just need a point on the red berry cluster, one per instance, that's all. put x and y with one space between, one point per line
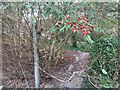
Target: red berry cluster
67 17
75 25
58 23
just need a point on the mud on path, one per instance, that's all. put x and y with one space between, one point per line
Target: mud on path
67 73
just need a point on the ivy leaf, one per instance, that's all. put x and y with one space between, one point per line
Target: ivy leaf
104 71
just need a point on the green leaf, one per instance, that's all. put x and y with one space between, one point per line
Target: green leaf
81 21
104 71
4 3
28 6
41 7
62 29
34 21
52 29
88 38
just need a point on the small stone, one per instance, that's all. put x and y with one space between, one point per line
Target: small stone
77 59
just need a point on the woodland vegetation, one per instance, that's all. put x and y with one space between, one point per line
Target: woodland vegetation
47 31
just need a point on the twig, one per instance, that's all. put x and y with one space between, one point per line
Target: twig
91 81
73 74
23 74
62 41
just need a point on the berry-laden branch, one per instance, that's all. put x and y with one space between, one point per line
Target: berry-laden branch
64 26
80 24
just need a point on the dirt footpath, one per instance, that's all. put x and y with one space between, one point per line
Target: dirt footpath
71 75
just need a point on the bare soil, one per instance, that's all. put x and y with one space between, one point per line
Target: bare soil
13 68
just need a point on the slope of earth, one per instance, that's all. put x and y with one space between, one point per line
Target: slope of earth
19 73
72 74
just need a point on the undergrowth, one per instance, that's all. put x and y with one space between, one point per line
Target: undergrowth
103 66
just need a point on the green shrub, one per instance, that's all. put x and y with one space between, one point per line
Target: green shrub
103 67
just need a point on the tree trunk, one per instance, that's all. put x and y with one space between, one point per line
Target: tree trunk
36 59
1 52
